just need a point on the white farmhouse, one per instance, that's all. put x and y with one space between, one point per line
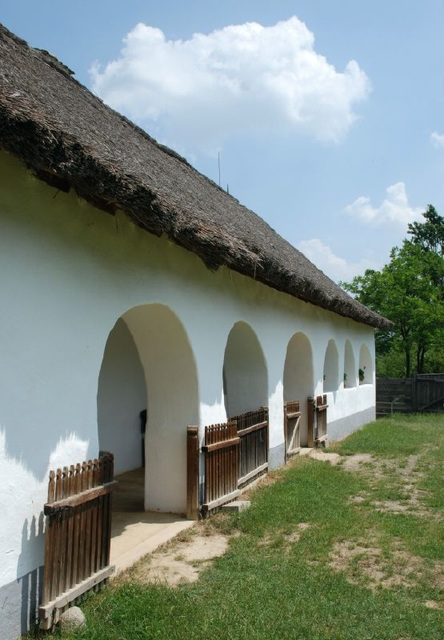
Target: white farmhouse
129 281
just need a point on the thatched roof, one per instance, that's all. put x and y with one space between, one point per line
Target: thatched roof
69 138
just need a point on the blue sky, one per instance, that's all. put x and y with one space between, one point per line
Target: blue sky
328 116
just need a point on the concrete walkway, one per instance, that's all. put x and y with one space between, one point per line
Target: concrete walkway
135 532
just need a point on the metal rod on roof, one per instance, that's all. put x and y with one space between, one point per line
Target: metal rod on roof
218 164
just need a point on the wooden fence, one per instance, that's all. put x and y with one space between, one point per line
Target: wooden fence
424 393
78 534
252 429
292 420
221 451
317 420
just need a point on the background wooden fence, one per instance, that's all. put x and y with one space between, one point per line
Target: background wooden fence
78 534
422 393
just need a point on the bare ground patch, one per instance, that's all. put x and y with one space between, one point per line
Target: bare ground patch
356 462
332 458
434 604
364 562
181 561
400 473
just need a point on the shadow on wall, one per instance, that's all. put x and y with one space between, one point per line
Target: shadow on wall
20 600
36 454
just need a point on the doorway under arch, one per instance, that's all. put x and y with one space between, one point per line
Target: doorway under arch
350 372
298 378
151 342
245 378
365 366
331 367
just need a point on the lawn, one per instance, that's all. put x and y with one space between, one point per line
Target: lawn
349 551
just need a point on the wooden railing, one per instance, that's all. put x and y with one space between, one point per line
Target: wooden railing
252 429
321 410
221 452
292 421
78 534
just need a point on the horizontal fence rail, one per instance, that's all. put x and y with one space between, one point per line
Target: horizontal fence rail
221 453
252 429
78 534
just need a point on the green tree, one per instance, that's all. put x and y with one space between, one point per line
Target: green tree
429 235
409 290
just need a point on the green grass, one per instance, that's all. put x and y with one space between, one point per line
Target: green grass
399 436
266 587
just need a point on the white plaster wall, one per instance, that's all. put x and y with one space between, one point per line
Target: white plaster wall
120 399
357 402
68 272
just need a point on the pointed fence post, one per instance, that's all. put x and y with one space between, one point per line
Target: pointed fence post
192 473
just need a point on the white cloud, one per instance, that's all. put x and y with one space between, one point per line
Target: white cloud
332 265
437 140
240 78
394 209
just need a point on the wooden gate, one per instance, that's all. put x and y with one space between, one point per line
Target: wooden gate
292 421
78 534
317 420
221 451
252 429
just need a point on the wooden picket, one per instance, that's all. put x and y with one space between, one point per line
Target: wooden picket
221 465
292 421
78 534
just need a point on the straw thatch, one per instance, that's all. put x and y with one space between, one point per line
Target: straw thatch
69 138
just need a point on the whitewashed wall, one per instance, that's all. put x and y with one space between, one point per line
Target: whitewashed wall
68 272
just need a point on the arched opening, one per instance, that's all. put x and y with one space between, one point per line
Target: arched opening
244 372
350 372
298 378
149 365
365 372
331 367
120 399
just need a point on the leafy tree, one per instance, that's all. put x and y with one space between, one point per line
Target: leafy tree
409 290
429 235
